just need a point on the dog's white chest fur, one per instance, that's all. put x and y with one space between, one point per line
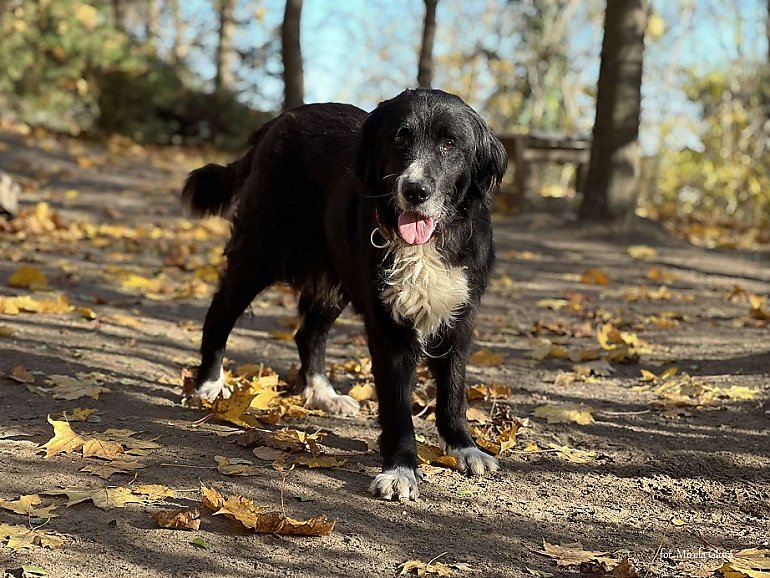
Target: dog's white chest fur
422 290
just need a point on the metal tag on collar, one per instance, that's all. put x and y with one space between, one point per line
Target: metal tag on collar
386 241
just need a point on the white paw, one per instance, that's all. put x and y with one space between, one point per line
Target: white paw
211 389
472 459
319 394
399 483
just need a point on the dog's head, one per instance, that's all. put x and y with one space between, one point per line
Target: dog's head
424 156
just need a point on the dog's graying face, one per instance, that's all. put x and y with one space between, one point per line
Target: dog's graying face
423 155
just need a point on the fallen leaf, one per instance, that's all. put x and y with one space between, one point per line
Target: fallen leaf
318 461
420 568
269 454
363 392
27 277
428 454
21 538
573 455
20 374
642 252
255 517
98 448
107 469
235 466
178 519
83 385
492 391
496 442
64 440
486 357
26 505
155 492
573 554
751 562
105 498
567 413
595 277
200 543
80 414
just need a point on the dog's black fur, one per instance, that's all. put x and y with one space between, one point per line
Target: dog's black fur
306 198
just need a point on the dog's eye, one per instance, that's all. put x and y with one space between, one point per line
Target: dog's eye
448 144
401 139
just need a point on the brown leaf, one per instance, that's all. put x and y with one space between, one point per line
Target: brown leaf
573 554
20 374
107 469
420 568
276 523
178 519
106 450
566 413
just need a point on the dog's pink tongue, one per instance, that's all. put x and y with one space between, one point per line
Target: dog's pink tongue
415 229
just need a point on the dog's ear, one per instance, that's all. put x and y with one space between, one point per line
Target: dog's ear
490 160
366 155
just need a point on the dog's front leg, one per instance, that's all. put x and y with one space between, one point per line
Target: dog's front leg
394 351
448 368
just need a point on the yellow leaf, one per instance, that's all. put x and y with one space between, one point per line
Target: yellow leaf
485 357
595 277
567 413
27 277
493 442
64 440
318 462
104 449
752 562
660 276
263 399
641 252
26 505
86 313
104 498
428 454
21 538
492 391
235 466
363 392
155 492
420 568
234 408
178 519
573 455
81 414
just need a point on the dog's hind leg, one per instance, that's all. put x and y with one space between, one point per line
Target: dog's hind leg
317 318
241 282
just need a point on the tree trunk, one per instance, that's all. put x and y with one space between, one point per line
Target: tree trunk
291 50
181 48
119 15
612 186
225 79
152 31
425 65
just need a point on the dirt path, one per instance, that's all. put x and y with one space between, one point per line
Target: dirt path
672 464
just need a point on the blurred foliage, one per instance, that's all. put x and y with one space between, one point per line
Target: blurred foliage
728 178
68 68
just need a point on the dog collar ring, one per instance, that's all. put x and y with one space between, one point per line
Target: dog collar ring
386 243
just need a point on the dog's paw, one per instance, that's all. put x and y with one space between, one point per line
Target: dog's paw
472 458
398 483
319 394
211 389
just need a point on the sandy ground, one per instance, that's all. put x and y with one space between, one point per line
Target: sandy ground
663 475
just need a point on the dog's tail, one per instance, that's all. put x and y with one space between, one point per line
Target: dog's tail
214 189
210 190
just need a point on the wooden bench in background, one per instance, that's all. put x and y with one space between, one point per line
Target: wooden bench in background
524 150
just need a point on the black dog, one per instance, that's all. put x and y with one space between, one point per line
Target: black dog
389 211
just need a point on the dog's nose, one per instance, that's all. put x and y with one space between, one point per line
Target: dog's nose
416 192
